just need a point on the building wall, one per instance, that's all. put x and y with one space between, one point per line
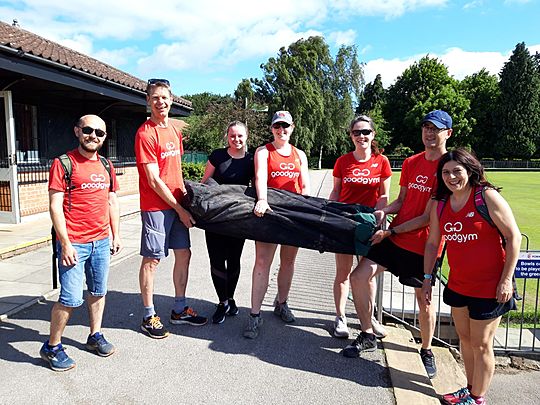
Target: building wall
34 198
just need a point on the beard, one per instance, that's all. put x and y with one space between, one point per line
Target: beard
90 146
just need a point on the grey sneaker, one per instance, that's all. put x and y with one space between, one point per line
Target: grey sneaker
340 327
284 312
364 342
252 328
99 344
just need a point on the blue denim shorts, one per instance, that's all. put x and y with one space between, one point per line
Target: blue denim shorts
93 262
161 231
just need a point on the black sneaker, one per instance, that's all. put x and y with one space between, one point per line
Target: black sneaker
233 309
154 328
364 342
221 311
429 362
188 316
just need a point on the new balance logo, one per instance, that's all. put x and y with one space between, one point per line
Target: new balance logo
470 214
375 165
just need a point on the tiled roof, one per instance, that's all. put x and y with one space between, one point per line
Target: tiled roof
20 39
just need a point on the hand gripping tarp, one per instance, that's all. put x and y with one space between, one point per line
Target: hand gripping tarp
295 220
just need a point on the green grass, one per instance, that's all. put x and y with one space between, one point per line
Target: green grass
522 191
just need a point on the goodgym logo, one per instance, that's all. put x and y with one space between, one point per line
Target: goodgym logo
170 150
421 179
363 172
453 229
98 182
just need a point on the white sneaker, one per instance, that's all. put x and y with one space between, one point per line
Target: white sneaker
340 327
378 329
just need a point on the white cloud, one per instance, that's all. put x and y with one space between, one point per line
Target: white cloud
473 4
460 63
342 37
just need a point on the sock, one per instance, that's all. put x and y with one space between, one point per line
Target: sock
469 387
59 345
179 304
255 315
149 312
226 303
426 351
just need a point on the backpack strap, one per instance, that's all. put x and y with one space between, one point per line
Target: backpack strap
440 206
480 204
107 163
67 165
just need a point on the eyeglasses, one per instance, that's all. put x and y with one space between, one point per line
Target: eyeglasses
432 128
88 130
358 132
156 81
278 125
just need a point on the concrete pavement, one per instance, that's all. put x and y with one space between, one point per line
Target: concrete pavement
296 363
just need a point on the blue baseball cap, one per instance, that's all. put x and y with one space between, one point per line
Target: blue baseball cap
439 118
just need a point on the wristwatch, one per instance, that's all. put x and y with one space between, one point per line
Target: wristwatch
392 231
428 276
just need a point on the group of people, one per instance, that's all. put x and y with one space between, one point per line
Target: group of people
436 203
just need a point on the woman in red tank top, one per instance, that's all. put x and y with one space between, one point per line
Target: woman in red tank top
278 165
477 302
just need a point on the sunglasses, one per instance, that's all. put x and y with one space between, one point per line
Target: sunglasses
88 130
283 125
429 128
162 81
358 132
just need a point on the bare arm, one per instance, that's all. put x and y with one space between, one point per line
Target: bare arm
336 190
304 173
155 182
208 172
430 251
502 216
384 193
261 181
56 209
114 221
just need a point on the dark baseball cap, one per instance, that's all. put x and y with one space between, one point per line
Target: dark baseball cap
439 118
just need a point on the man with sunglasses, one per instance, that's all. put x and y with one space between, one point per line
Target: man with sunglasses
400 248
84 210
165 223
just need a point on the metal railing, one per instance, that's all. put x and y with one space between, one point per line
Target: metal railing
519 331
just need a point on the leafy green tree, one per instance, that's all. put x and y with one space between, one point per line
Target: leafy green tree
317 90
423 87
518 113
482 90
202 101
371 97
244 93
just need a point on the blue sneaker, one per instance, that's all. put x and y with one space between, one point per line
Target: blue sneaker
56 357
99 344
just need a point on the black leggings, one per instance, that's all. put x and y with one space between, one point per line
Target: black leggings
224 252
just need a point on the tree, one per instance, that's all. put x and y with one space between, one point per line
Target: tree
202 101
482 90
371 97
518 113
317 90
423 87
244 93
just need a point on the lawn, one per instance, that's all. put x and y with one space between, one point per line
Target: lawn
522 191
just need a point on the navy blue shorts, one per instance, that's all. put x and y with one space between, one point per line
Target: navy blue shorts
480 309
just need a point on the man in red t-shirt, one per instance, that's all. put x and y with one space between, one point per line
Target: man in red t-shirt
402 253
83 213
165 223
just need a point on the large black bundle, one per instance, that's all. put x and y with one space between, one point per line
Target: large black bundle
296 220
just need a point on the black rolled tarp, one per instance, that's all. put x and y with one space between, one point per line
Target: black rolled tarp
296 220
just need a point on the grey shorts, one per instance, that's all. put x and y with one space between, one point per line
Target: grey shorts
161 231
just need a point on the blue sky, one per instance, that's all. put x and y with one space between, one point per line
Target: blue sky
210 45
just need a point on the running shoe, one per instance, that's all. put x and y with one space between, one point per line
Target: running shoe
455 397
428 359
233 309
189 317
221 311
284 312
340 327
56 357
364 342
154 328
251 331
99 344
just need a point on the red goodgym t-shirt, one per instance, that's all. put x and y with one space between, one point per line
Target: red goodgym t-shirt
284 171
420 177
88 219
155 144
361 181
475 252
